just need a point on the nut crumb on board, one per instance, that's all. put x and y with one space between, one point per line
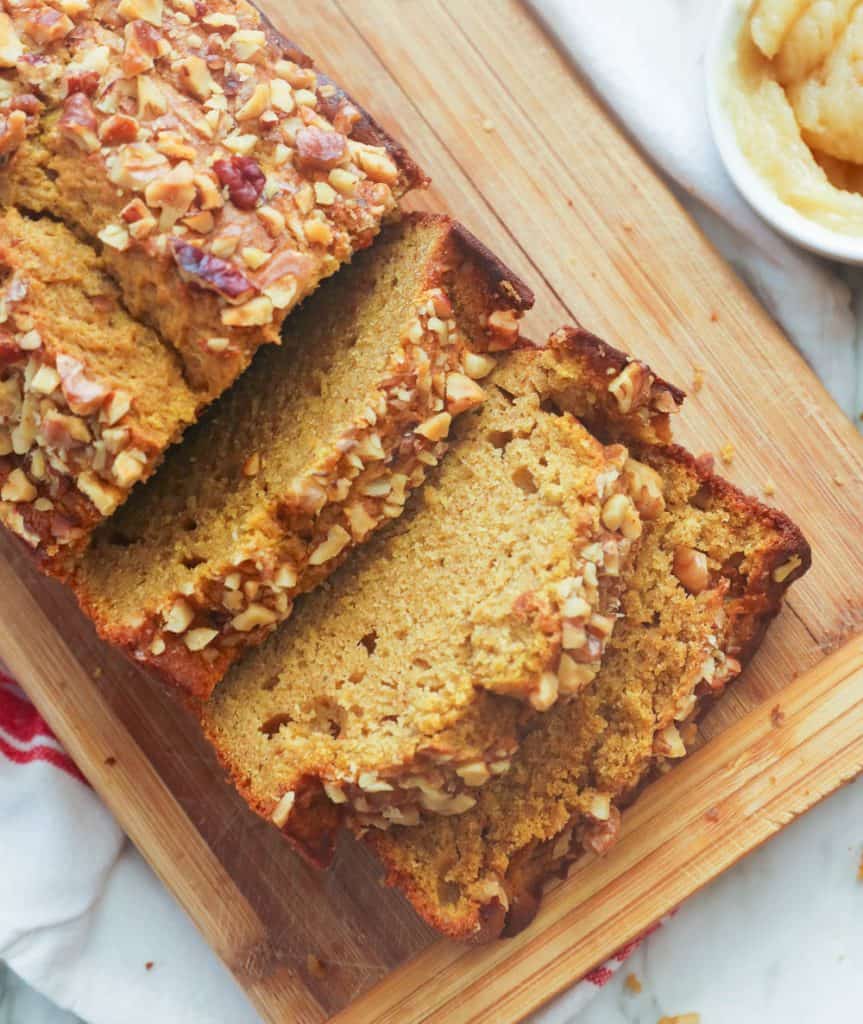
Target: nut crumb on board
838 481
682 1018
712 814
487 124
149 965
633 984
697 379
777 716
769 487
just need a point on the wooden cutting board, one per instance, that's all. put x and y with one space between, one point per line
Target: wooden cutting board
522 153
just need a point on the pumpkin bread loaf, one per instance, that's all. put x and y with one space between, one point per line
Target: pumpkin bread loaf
709 574
222 175
318 444
404 685
89 398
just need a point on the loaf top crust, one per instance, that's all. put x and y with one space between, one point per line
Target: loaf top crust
221 172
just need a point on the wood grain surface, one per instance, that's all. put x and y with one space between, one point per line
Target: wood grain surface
520 151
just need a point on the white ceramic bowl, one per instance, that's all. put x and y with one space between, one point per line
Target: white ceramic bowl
757 193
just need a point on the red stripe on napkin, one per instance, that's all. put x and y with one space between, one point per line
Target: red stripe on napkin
24 734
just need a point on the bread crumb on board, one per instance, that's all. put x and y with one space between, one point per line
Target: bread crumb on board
727 453
315 966
769 487
633 984
698 373
682 1018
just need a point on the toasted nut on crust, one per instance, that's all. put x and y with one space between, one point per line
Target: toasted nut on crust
179 618
462 393
254 616
17 488
435 428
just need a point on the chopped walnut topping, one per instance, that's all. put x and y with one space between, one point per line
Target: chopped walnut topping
78 122
17 488
319 150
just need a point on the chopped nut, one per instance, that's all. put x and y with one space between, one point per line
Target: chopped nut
253 313
179 617
252 465
630 386
105 497
281 96
256 104
668 743
504 324
283 810
116 408
17 488
218 344
574 676
619 514
318 232
127 470
254 257
158 646
10 45
781 574
727 453
336 541
436 427
378 165
78 122
477 366
645 487
343 181
146 10
45 380
115 237
198 639
272 219
474 773
195 77
690 567
546 691
246 43
325 195
254 616
462 393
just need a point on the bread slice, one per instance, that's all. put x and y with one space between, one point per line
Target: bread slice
318 444
406 683
222 175
89 398
709 575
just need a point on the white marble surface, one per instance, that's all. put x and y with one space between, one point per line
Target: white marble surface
776 940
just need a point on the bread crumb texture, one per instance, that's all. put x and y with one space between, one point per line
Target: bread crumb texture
317 445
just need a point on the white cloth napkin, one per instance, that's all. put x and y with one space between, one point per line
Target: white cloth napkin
81 917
